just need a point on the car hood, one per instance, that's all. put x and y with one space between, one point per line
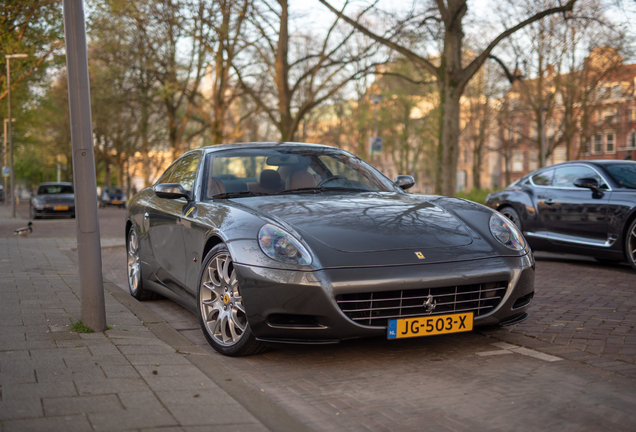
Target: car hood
367 222
55 198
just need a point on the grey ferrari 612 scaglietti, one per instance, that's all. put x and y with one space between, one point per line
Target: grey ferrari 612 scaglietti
302 243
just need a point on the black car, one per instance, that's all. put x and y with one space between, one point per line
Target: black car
112 196
297 243
580 207
53 200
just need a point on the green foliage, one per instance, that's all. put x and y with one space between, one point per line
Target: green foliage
79 327
476 195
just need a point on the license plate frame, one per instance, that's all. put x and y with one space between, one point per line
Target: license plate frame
117 202
60 208
428 325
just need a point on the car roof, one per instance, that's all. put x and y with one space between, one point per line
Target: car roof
255 145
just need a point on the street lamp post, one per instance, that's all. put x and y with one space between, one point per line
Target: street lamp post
543 138
11 175
4 163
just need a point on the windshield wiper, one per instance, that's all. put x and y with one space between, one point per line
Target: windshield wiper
238 194
320 189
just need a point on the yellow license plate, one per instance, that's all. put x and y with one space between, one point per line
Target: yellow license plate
60 208
430 325
116 202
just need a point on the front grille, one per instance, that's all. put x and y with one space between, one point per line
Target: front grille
376 308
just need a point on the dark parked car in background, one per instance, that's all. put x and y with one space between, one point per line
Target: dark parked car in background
580 207
112 196
53 200
297 243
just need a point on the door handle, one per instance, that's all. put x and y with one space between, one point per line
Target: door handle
549 201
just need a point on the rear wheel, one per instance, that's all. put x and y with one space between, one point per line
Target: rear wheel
221 311
630 244
512 214
135 280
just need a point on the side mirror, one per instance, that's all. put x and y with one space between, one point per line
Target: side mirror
404 181
587 183
172 191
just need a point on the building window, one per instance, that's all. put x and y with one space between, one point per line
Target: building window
631 140
517 161
598 143
518 134
609 143
632 115
616 91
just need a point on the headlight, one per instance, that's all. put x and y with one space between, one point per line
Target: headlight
506 232
281 246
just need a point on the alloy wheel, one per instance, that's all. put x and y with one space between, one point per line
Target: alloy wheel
134 270
631 245
221 303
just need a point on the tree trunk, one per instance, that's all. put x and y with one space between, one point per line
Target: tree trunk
448 147
285 126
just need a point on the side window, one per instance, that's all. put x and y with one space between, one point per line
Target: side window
565 176
544 178
185 172
165 177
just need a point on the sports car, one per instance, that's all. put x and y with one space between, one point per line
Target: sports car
53 200
302 243
579 207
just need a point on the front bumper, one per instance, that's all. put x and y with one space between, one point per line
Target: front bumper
49 210
295 306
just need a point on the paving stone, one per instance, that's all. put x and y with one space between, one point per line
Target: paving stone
81 405
20 408
77 423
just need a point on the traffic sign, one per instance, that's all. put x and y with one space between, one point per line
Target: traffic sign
5 171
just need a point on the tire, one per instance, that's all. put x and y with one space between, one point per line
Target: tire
135 277
220 308
512 214
630 244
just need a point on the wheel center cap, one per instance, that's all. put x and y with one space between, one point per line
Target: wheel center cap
226 299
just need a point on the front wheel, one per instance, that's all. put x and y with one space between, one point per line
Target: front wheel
512 214
221 310
630 244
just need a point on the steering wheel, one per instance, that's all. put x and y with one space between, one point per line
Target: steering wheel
329 179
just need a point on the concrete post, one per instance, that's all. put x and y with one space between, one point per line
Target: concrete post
88 243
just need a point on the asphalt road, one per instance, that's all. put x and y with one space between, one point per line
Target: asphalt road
570 367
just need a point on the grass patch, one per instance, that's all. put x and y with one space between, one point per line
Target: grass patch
78 326
476 195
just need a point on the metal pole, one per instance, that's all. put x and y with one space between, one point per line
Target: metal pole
4 164
11 177
543 111
88 243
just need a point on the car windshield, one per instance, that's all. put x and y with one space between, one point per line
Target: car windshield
54 189
113 190
623 173
268 171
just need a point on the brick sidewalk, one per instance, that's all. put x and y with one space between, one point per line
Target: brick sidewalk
52 379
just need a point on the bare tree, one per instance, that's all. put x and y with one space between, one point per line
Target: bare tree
295 73
223 23
452 75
